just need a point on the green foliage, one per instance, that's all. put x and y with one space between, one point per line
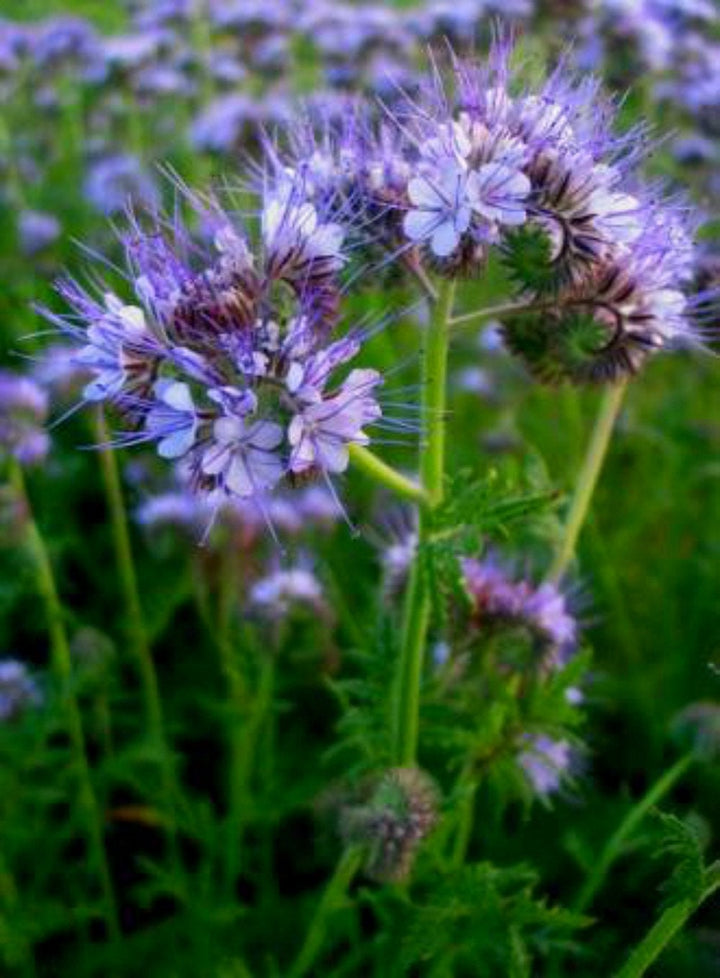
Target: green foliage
681 843
486 921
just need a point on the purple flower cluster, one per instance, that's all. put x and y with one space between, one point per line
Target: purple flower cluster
23 410
601 261
225 359
543 610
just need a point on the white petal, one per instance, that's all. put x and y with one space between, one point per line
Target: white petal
228 429
265 434
237 477
332 454
419 225
423 194
215 459
177 395
445 239
178 443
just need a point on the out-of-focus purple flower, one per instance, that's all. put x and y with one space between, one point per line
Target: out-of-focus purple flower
37 230
57 369
179 509
285 590
23 410
18 690
543 610
64 39
128 52
116 181
546 763
220 126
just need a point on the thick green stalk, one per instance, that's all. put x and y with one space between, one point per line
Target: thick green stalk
663 931
432 473
587 479
135 623
61 663
614 846
387 476
332 897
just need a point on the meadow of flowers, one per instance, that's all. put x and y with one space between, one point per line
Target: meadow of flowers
359 488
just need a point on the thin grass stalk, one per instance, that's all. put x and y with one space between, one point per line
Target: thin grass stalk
61 663
135 622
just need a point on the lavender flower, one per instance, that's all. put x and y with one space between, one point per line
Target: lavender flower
18 690
546 763
37 231
226 362
115 181
285 590
23 410
543 611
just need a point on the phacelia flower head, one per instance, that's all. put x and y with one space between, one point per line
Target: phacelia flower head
23 410
633 303
541 611
226 355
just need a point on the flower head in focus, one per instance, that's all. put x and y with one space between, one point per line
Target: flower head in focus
226 356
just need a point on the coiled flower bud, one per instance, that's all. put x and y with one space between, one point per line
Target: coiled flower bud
390 818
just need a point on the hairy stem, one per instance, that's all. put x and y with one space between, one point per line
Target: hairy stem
432 472
663 931
61 662
492 312
587 479
332 897
387 476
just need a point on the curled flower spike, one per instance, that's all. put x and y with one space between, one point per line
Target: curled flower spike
599 258
390 818
224 359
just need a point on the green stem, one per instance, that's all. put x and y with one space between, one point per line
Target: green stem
465 827
135 622
493 312
587 479
614 846
432 471
387 476
663 931
61 662
333 896
244 754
